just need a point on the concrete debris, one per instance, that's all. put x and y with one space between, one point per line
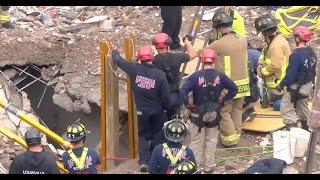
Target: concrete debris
26 104
290 170
64 101
229 165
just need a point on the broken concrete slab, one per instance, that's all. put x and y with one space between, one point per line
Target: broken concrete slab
107 26
63 101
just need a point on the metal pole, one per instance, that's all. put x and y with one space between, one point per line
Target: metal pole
314 123
35 124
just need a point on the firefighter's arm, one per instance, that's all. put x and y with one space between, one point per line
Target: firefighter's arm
190 49
238 24
186 88
98 167
277 55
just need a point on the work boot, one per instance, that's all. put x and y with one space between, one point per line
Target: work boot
249 115
290 125
304 125
8 25
143 168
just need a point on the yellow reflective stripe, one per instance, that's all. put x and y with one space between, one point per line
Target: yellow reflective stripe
4 17
243 88
265 72
238 136
230 138
227 68
79 163
175 159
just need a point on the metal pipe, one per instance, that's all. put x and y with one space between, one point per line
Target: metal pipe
35 124
20 141
204 32
28 74
28 85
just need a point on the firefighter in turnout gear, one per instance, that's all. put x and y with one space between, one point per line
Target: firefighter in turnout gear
165 157
5 17
206 86
34 160
232 60
80 159
274 57
299 80
170 64
151 94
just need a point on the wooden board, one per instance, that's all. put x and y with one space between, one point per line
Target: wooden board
265 124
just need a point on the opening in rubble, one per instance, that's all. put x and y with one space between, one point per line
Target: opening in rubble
56 118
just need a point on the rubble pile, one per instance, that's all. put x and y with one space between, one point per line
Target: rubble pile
8 151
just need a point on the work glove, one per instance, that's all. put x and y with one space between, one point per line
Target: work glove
187 36
278 88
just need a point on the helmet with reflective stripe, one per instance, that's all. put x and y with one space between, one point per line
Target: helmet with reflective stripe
186 167
265 22
33 137
76 132
161 40
208 55
303 32
175 130
145 53
221 19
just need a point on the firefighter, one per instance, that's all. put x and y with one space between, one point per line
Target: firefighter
232 60
34 160
299 80
151 93
274 57
206 85
186 167
237 25
165 157
80 159
249 113
172 19
5 17
170 64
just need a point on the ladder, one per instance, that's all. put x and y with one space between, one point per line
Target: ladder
193 32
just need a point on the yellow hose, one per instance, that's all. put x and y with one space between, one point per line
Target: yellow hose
35 124
20 141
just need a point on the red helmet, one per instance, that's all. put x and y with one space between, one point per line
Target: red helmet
303 32
208 55
161 40
145 53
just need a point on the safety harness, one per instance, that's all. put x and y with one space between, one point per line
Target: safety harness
175 159
165 67
79 162
305 76
210 103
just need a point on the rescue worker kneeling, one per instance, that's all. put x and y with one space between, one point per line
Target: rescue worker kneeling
34 160
299 80
206 86
80 159
165 157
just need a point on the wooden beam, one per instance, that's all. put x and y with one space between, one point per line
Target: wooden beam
112 112
129 48
103 51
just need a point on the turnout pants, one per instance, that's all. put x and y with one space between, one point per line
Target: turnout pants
203 144
4 14
172 18
231 121
288 110
150 132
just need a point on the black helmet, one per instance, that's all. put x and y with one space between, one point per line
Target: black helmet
175 130
32 137
221 19
76 131
186 167
265 22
